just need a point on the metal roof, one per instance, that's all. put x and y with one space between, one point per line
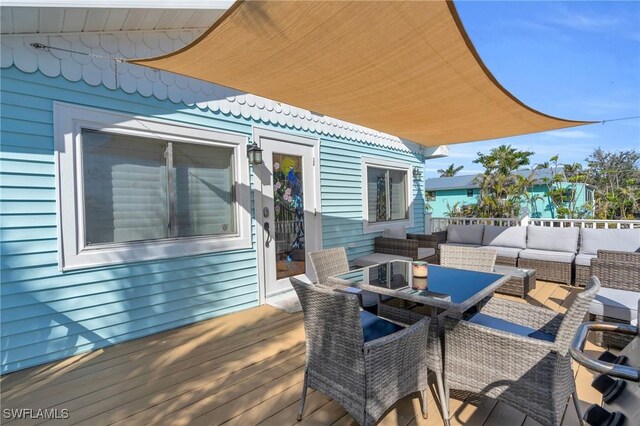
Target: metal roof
468 181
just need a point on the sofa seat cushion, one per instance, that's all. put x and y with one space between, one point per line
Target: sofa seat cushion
424 252
374 327
547 255
510 327
615 303
584 259
465 234
592 240
510 252
505 236
552 239
397 231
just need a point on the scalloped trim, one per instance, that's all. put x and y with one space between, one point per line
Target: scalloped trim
162 85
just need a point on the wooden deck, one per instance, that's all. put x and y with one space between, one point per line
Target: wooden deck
243 369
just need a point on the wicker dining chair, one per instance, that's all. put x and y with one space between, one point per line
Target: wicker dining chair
470 258
366 377
333 261
518 353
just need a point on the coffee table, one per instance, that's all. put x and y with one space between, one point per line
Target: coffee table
520 283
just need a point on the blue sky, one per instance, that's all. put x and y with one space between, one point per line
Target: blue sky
574 60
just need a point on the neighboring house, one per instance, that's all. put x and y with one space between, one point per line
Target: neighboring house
128 203
445 193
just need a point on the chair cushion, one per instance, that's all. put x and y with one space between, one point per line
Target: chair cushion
465 234
510 327
374 327
552 239
505 236
615 303
584 259
424 252
511 252
547 255
397 231
592 240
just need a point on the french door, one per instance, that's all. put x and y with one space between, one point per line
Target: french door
286 209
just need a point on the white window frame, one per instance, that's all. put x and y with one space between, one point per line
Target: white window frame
69 120
367 227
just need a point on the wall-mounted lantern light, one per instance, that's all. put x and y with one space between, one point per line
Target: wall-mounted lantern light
417 173
254 153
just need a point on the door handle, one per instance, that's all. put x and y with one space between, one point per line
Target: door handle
269 239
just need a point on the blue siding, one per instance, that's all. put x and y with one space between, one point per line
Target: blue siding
48 315
544 208
341 191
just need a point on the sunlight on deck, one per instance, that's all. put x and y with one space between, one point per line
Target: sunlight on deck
245 368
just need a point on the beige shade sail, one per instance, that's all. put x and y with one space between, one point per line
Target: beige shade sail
406 68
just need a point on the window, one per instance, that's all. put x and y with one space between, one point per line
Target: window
469 192
133 189
386 194
588 195
431 195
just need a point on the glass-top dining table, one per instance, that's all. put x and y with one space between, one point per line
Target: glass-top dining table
443 289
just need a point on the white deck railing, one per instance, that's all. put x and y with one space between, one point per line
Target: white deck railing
586 223
435 224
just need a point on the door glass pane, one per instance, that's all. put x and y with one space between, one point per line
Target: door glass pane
125 188
398 194
377 194
204 190
288 215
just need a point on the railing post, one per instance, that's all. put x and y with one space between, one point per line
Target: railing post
427 223
524 217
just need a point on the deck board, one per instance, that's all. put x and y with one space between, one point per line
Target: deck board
241 369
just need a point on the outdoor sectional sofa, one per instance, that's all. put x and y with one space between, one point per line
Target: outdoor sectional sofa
553 252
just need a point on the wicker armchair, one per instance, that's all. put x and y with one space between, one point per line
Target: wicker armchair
366 378
616 270
619 256
409 247
533 374
470 258
333 261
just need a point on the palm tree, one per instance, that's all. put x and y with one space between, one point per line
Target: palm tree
450 171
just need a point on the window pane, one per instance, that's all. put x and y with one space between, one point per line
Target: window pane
204 190
377 194
125 196
398 194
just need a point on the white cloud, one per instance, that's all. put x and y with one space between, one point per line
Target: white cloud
571 134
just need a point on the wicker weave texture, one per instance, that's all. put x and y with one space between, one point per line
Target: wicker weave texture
365 378
469 258
519 286
619 256
329 262
532 375
406 312
583 273
397 246
507 261
616 274
547 270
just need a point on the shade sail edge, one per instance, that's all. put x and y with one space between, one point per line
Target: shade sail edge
508 116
